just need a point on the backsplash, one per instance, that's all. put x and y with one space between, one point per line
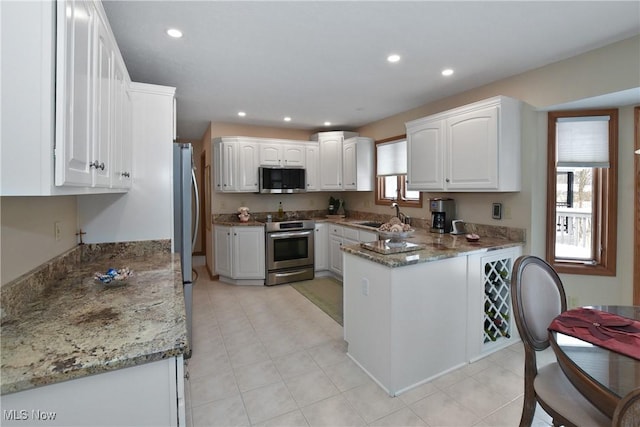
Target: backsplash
508 233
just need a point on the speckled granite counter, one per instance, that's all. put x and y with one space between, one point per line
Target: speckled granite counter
437 246
59 323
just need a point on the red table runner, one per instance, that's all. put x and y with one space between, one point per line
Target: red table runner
607 330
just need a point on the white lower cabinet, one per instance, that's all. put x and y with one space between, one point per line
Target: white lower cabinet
321 247
151 394
240 254
343 235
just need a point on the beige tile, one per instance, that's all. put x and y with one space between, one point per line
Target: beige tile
439 409
419 392
372 402
267 402
329 353
282 345
506 416
450 378
223 413
203 363
248 354
502 381
212 387
311 387
404 417
294 364
332 412
477 397
346 375
257 375
291 419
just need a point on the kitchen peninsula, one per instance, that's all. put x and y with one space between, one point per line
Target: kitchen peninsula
94 353
410 317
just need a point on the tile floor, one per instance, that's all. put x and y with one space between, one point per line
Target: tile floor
266 356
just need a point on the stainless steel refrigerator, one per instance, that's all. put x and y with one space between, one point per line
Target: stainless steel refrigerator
186 209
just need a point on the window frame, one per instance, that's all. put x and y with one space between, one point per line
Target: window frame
402 181
604 232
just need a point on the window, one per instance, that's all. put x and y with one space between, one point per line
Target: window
582 191
391 172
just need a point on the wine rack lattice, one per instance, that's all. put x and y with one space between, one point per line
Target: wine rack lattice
497 300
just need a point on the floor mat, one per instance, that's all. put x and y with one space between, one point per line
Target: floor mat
324 292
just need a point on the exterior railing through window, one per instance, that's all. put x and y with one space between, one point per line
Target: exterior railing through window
573 233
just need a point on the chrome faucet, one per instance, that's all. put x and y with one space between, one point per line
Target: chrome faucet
399 214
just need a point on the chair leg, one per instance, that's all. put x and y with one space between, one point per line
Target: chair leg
528 409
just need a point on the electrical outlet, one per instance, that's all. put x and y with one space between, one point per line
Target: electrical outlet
57 230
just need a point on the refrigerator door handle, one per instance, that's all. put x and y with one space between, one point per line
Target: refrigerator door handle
197 219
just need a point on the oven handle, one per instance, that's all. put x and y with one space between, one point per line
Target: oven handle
288 234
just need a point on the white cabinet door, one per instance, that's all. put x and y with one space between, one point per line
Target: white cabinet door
248 253
247 172
150 394
122 137
472 150
349 165
228 166
222 250
312 163
425 156
321 247
335 254
74 93
367 236
293 155
331 161
101 148
270 154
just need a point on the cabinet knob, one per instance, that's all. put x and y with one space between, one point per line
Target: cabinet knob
447 180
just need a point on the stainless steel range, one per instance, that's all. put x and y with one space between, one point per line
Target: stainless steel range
289 249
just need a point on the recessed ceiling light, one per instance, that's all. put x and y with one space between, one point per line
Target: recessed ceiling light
287 119
327 123
447 72
242 113
393 58
175 33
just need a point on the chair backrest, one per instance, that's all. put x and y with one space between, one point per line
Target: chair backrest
627 413
538 297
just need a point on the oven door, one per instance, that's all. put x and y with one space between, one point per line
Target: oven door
286 249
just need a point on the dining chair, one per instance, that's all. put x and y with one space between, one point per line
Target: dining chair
537 297
627 413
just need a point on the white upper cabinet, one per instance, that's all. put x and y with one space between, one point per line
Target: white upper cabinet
471 148
312 164
330 160
282 153
425 156
65 123
357 164
225 164
247 173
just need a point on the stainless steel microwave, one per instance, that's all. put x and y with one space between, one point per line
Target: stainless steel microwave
282 180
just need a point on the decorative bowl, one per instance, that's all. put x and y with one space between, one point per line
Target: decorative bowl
114 277
395 236
472 237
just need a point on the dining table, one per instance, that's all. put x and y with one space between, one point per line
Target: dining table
604 376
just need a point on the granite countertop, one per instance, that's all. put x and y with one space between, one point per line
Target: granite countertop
76 326
433 247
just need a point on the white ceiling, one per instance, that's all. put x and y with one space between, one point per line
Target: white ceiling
318 61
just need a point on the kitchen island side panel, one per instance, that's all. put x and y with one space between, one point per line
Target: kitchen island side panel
367 316
405 325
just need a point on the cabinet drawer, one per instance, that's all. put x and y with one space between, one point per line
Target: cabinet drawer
351 233
336 230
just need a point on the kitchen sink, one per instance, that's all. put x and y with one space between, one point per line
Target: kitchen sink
371 224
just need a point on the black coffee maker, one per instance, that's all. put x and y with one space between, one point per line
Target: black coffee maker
443 211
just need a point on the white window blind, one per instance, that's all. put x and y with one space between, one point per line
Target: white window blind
583 141
391 158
